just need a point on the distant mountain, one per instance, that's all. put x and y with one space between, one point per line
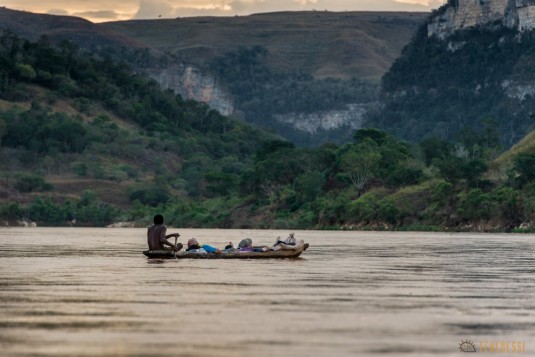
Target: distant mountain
470 63
78 128
184 79
62 28
85 141
323 44
310 76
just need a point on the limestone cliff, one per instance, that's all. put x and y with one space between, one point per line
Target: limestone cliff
472 62
463 14
311 123
191 83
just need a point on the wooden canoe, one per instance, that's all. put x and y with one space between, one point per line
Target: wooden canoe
288 253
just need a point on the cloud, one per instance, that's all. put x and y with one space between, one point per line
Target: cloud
102 10
99 15
245 7
256 6
57 12
150 9
428 3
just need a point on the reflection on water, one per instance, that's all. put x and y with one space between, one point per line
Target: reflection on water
90 292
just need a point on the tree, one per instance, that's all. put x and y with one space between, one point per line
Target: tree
26 72
375 135
272 146
525 168
3 130
69 135
151 196
435 149
32 183
310 184
359 165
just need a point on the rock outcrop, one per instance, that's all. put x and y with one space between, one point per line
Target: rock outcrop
311 123
191 83
473 61
463 14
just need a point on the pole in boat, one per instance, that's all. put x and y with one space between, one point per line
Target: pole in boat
175 247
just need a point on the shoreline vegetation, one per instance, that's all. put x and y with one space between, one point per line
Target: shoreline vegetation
86 142
478 227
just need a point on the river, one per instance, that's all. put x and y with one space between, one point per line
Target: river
90 292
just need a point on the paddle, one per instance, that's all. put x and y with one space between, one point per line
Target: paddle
175 247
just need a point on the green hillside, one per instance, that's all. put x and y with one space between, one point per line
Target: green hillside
287 63
506 160
323 44
86 142
90 132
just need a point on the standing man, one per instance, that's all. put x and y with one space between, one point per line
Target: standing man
156 237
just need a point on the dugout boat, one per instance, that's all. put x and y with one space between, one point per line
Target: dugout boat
286 252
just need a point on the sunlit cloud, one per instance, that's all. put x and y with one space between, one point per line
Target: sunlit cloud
103 15
106 10
150 9
57 12
427 3
304 2
94 10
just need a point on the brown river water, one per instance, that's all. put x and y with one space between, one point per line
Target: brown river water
91 292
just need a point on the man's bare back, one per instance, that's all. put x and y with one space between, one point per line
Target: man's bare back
157 238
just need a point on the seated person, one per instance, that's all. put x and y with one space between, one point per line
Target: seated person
195 246
157 238
288 241
246 245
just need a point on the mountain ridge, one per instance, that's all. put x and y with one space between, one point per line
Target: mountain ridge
93 143
62 28
292 72
450 86
462 14
214 36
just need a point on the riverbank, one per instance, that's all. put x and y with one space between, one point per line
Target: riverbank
476 227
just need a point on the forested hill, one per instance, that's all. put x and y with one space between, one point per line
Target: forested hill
32 26
86 142
322 44
309 76
447 84
89 130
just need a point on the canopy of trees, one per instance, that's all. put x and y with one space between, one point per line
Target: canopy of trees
146 151
438 87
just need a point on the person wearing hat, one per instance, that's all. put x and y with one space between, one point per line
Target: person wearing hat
246 245
157 239
288 241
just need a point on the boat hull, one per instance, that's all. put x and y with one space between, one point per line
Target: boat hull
292 253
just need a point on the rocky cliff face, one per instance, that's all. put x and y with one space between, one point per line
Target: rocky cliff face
462 14
311 123
190 83
451 79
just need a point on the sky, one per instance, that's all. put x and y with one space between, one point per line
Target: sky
113 10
